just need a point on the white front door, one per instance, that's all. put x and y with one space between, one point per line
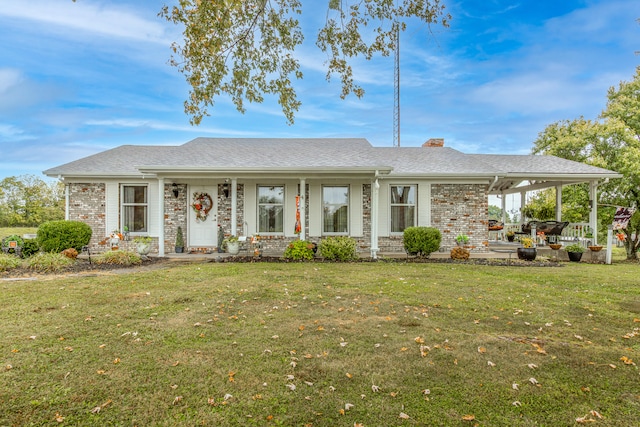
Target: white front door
203 223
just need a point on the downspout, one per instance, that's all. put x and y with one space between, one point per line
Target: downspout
375 191
495 180
161 236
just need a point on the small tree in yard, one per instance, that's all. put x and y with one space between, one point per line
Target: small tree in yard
421 241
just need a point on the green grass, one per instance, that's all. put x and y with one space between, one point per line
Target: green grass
165 347
20 231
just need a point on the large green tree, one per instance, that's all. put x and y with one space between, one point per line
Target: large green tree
246 48
612 142
28 201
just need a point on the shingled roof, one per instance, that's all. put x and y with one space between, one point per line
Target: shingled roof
321 155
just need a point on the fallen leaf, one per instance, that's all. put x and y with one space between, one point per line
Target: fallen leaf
228 396
515 386
482 350
59 418
292 387
490 363
348 406
516 404
403 416
584 420
375 388
532 366
533 381
469 417
177 400
349 375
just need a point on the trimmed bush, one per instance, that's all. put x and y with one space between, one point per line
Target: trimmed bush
8 262
47 262
123 258
421 241
339 248
56 236
299 250
30 248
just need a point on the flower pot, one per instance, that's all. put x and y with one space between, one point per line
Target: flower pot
527 254
511 238
143 248
575 256
555 246
179 249
595 248
233 247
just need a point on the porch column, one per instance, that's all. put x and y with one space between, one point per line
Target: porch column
558 203
593 215
523 201
375 192
161 236
234 206
503 207
303 193
66 202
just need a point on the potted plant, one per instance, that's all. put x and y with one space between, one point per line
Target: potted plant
462 239
527 252
143 244
179 241
511 235
574 251
233 245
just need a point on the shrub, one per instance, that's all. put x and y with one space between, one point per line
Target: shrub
421 240
46 262
124 258
8 262
56 236
299 250
339 248
30 248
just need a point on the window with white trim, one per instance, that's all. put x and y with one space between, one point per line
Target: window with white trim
403 207
335 209
134 209
271 209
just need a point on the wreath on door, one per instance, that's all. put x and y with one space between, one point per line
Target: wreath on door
202 204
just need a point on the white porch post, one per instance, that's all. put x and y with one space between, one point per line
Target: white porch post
161 217
303 193
66 202
234 206
558 203
593 215
375 192
523 201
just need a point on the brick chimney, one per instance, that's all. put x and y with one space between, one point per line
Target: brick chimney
434 142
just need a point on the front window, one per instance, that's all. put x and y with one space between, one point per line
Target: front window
135 209
335 210
403 207
270 209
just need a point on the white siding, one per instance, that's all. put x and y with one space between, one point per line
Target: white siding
384 209
112 210
424 204
315 209
355 210
250 207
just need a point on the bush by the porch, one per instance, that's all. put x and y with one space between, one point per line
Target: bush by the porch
421 240
338 248
299 250
56 236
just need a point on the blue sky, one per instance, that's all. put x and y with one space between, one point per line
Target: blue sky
79 78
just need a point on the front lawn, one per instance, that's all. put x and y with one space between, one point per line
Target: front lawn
315 344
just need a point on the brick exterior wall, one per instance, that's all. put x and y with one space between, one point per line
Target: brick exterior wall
455 209
460 209
87 203
175 215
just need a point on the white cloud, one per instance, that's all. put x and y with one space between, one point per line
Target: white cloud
102 19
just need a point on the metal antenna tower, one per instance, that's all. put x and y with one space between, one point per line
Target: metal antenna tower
396 91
